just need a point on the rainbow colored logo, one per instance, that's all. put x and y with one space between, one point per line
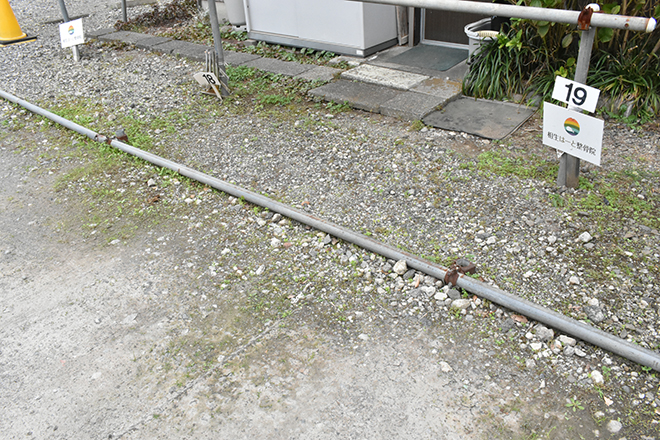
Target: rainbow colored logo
71 30
571 126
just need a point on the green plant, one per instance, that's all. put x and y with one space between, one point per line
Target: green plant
526 58
574 404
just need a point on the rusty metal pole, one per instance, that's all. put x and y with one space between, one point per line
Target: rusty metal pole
569 166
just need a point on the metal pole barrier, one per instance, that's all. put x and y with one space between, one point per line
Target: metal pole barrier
217 43
639 24
65 16
124 14
542 314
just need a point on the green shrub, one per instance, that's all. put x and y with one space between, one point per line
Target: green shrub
526 59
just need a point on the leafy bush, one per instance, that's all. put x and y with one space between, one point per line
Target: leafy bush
526 59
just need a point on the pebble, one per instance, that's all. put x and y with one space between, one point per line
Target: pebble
445 367
460 304
567 340
614 426
594 313
597 377
544 334
453 294
585 237
400 267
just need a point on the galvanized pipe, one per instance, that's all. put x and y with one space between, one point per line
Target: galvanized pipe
639 24
549 317
124 14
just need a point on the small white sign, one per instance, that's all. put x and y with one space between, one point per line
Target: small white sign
573 133
207 79
71 33
575 94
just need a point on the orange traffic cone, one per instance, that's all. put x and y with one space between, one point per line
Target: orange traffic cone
10 31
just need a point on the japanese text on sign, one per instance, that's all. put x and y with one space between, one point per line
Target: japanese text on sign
572 132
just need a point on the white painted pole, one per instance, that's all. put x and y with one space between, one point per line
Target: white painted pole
639 24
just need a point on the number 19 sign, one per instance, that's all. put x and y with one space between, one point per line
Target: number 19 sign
575 94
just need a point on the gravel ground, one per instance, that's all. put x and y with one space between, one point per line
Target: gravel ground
592 253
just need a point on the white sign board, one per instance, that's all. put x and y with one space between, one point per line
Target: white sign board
573 133
575 94
71 33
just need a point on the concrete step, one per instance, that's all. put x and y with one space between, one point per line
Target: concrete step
391 92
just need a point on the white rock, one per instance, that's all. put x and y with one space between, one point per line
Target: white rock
441 295
400 267
536 346
597 377
445 367
260 270
567 340
552 239
151 183
491 240
274 242
528 274
593 302
585 237
363 337
614 426
529 363
461 304
580 353
428 290
574 280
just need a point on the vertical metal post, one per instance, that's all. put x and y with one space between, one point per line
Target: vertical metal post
217 43
411 26
124 14
569 166
65 16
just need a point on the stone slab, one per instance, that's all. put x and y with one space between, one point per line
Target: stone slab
99 32
124 37
411 105
362 96
149 43
320 73
480 117
184 49
385 77
287 68
439 87
238 58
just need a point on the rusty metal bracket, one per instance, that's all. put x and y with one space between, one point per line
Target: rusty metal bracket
584 19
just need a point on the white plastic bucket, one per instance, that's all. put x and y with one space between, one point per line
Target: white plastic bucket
479 33
235 12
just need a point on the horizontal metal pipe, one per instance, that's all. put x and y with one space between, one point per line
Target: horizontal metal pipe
551 318
640 24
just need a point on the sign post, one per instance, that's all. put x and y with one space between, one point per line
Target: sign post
65 16
569 166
